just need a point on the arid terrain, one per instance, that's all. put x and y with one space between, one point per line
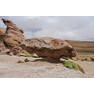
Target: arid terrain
83 47
41 68
13 44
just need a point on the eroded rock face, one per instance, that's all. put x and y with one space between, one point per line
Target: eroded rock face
2 31
49 47
12 37
2 35
13 31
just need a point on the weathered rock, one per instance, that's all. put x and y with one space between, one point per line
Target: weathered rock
13 37
49 47
13 31
44 47
2 45
2 31
92 58
17 50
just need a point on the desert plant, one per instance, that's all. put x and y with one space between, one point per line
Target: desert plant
72 65
20 61
29 55
26 55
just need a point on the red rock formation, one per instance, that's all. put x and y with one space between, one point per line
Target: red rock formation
43 47
49 47
13 31
13 36
1 31
2 35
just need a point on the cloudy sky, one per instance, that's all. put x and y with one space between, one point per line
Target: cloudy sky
63 27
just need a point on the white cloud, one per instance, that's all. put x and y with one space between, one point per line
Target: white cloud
71 27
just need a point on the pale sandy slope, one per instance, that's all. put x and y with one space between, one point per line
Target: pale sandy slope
40 68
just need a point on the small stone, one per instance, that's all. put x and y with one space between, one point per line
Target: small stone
92 58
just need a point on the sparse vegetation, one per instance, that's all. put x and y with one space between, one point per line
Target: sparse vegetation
23 61
84 57
20 61
83 47
72 65
29 55
26 55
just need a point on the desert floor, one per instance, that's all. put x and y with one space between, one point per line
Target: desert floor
40 68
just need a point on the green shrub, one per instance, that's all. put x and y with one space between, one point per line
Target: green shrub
26 55
72 65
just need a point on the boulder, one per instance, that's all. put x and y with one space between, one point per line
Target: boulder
49 47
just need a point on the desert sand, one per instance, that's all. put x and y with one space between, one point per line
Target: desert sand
40 68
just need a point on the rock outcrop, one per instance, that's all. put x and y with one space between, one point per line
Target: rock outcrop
12 37
49 47
2 35
2 31
14 34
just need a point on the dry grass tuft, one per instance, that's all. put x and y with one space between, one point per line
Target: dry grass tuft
20 61
72 65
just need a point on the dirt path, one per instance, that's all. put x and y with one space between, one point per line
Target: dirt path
40 68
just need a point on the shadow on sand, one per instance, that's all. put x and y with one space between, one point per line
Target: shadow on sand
55 61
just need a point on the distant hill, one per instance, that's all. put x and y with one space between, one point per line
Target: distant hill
83 47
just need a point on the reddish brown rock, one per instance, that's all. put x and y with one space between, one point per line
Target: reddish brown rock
43 47
2 31
49 47
2 45
13 31
13 36
92 58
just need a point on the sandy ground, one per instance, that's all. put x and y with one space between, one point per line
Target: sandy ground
40 68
